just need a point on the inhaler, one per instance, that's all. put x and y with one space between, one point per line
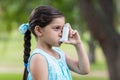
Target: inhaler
65 32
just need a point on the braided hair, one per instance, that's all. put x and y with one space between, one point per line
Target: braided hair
27 50
41 16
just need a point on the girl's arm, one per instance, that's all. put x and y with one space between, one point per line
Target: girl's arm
38 67
81 65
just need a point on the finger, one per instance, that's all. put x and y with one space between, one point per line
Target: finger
70 34
74 32
70 31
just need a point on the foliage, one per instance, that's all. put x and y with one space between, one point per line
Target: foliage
14 12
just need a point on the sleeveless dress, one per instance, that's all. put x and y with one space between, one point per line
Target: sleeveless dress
57 68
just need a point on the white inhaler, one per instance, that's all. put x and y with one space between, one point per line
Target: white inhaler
65 32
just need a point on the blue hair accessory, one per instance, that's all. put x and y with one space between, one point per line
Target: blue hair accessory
23 28
25 64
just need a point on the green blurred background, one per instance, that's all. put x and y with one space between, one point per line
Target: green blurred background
11 59
15 12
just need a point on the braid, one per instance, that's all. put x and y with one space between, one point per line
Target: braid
27 50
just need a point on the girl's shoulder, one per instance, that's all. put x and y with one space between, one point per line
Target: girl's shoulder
35 56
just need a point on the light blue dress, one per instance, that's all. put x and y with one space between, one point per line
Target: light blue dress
57 68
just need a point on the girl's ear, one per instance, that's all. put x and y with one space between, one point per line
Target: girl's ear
38 30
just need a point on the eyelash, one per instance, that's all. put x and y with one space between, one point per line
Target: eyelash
57 28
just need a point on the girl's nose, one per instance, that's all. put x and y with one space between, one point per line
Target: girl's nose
60 33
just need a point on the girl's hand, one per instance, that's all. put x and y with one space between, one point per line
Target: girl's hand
73 38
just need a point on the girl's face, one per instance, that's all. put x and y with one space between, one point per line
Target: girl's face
53 32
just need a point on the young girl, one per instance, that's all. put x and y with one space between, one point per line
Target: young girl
47 61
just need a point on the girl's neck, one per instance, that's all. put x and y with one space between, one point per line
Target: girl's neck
44 46
48 49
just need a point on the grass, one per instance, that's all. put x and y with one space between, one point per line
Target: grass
11 59
8 76
88 78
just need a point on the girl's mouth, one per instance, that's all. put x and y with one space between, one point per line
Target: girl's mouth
60 42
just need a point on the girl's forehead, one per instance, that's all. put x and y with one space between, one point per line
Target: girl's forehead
56 22
60 20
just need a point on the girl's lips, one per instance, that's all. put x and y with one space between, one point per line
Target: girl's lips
60 42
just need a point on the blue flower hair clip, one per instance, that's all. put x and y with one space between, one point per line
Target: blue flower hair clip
23 28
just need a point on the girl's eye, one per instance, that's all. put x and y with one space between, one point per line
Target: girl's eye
57 28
